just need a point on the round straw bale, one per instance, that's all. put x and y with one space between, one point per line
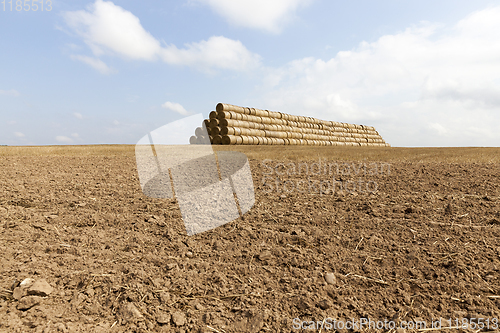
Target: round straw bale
222 107
260 113
193 140
199 131
214 122
206 123
229 107
202 139
217 140
212 115
266 120
215 131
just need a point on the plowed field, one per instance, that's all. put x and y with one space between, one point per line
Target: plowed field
405 236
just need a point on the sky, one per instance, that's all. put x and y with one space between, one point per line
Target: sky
424 73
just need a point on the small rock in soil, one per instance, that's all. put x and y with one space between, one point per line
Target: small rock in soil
179 318
27 302
26 283
163 318
130 312
303 304
40 288
330 278
18 293
324 304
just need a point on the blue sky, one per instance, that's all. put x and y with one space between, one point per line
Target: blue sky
424 73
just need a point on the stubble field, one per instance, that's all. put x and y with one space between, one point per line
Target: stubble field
414 238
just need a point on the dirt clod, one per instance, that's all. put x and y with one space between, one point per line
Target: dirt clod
40 288
27 302
179 319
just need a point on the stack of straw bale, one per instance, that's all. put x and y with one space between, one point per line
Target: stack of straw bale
237 125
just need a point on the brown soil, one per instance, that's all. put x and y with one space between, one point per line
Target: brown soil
424 246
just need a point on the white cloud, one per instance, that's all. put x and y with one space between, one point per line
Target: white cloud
427 85
217 52
107 26
75 135
11 92
95 63
109 29
176 107
257 14
19 134
77 115
63 139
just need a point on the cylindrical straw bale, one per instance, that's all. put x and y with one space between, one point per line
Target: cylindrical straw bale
193 140
199 131
215 131
202 139
225 115
225 122
217 140
214 122
206 123
229 107
212 115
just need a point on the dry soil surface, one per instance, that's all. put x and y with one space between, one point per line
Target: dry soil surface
420 243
